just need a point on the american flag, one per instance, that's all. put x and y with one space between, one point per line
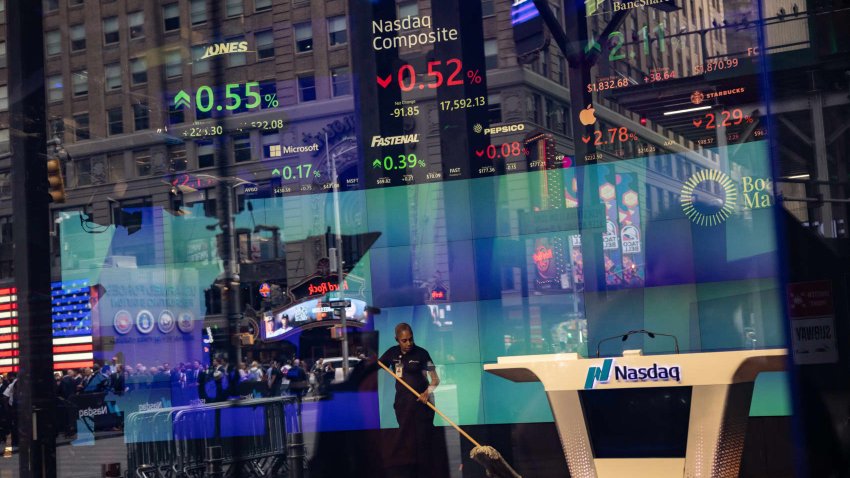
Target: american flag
8 330
72 324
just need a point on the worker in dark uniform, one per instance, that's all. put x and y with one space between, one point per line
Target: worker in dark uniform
412 455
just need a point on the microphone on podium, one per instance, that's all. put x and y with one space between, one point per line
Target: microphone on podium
624 337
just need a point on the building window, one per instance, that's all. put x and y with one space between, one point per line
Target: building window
535 105
409 9
81 126
115 167
241 147
82 168
491 54
173 64
141 116
175 114
113 76
139 71
4 140
2 54
551 114
115 119
54 88
303 37
234 8
337 31
57 127
340 82
51 5
80 82
110 31
171 17
487 8
236 59
53 42
177 158
262 5
265 44
306 88
136 20
566 121
4 98
198 12
5 180
143 162
77 33
267 88
206 154
494 109
75 3
199 66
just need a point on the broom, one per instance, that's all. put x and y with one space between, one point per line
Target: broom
487 456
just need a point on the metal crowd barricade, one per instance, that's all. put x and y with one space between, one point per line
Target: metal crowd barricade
173 442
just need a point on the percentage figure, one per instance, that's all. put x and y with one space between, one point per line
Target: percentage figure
421 163
271 100
724 118
474 77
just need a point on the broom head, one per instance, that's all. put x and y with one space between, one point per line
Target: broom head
493 463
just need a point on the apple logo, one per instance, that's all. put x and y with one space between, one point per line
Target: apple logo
586 116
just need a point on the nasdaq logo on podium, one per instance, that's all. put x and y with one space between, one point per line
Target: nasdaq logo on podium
629 374
598 374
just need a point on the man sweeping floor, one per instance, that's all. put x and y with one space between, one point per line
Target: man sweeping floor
412 454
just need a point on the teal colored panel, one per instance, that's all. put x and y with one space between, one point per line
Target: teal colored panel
511 402
456 346
771 396
740 315
458 396
668 310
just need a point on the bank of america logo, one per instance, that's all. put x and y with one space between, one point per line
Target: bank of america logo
598 374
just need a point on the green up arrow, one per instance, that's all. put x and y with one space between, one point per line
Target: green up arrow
376 163
275 172
182 98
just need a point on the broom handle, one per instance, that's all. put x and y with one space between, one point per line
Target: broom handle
414 392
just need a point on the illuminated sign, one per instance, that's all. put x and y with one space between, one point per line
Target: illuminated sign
265 289
8 330
452 73
72 324
439 293
543 258
602 375
701 215
523 11
509 128
394 140
224 48
400 35
234 97
308 314
325 287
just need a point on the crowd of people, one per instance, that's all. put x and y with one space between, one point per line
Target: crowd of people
185 383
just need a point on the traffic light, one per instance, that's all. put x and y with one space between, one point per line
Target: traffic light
55 181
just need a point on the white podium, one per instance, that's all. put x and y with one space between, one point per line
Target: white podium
682 415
